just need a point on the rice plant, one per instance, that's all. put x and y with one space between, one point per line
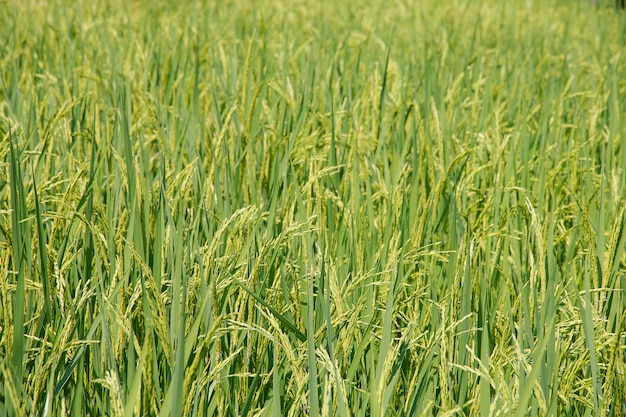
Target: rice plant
349 208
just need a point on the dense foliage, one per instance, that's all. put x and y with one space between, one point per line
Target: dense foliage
350 208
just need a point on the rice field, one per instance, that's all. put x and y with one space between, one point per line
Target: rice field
348 208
